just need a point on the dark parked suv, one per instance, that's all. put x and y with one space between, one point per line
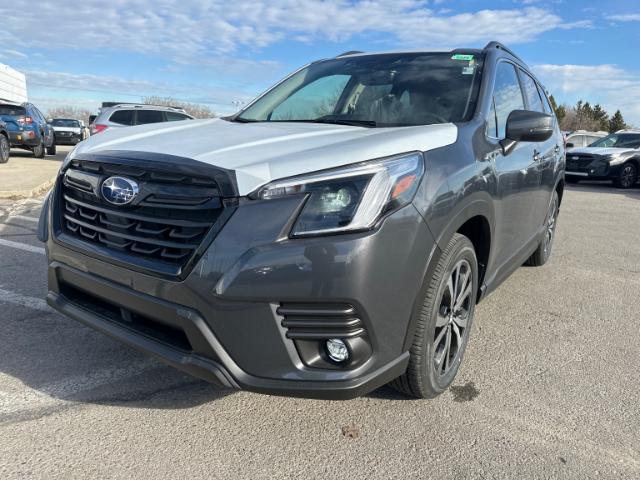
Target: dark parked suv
28 129
333 236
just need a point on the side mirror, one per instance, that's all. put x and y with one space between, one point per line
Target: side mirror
49 120
570 145
527 126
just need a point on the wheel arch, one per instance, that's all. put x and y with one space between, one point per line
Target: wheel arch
476 219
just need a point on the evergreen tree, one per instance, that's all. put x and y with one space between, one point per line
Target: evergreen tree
617 122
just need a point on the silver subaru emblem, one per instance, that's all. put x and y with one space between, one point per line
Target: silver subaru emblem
119 190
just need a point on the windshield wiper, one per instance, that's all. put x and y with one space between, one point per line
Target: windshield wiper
335 121
240 119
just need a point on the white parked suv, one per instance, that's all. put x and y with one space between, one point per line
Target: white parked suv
128 114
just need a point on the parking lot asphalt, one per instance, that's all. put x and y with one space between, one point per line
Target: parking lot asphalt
549 388
24 175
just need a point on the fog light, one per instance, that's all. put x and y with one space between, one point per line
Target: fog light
337 350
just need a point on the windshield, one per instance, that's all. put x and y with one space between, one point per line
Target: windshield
619 140
375 90
63 122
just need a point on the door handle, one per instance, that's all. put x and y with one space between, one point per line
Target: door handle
536 156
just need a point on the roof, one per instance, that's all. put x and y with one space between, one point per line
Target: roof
146 106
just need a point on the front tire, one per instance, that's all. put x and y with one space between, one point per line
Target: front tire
444 322
543 252
5 149
627 177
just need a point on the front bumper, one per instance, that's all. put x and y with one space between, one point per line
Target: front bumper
67 139
222 323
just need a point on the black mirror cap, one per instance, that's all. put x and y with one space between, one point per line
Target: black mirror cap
570 145
528 126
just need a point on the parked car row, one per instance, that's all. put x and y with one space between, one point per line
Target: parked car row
23 125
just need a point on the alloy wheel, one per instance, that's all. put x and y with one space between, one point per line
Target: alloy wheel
551 227
453 318
627 176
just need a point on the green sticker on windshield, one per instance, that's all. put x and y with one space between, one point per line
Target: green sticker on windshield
460 56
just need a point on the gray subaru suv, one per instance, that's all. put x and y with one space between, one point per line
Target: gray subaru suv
332 237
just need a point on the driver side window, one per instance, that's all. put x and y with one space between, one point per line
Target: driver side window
507 97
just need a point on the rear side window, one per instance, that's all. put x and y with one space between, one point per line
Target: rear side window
531 91
149 116
507 97
123 117
577 140
175 117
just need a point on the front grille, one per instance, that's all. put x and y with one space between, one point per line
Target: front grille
167 222
304 321
172 336
579 162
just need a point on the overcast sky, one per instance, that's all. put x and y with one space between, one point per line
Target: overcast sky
220 52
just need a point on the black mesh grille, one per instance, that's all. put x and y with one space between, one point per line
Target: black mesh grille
579 162
166 222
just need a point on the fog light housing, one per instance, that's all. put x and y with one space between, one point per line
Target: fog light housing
337 350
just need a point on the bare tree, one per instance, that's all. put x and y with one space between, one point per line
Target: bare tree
68 111
194 109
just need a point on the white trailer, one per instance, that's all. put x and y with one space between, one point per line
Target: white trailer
13 85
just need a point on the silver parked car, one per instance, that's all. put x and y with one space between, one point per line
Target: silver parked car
128 114
582 138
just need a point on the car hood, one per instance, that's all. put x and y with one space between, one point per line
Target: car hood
598 151
67 129
265 151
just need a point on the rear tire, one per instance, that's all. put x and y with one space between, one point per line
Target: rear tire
4 149
38 150
543 252
627 177
444 322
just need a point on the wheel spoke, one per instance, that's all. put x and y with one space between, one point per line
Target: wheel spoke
450 287
447 350
458 336
463 296
439 337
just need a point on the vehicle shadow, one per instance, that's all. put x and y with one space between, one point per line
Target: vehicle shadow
604 187
64 363
58 157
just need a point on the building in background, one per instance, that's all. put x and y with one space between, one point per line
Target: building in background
13 85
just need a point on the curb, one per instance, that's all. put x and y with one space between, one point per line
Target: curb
24 194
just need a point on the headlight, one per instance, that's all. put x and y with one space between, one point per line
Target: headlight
353 197
615 158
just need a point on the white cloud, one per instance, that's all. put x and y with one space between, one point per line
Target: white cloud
626 17
192 30
611 86
8 53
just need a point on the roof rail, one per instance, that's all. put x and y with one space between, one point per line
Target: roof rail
350 52
500 46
